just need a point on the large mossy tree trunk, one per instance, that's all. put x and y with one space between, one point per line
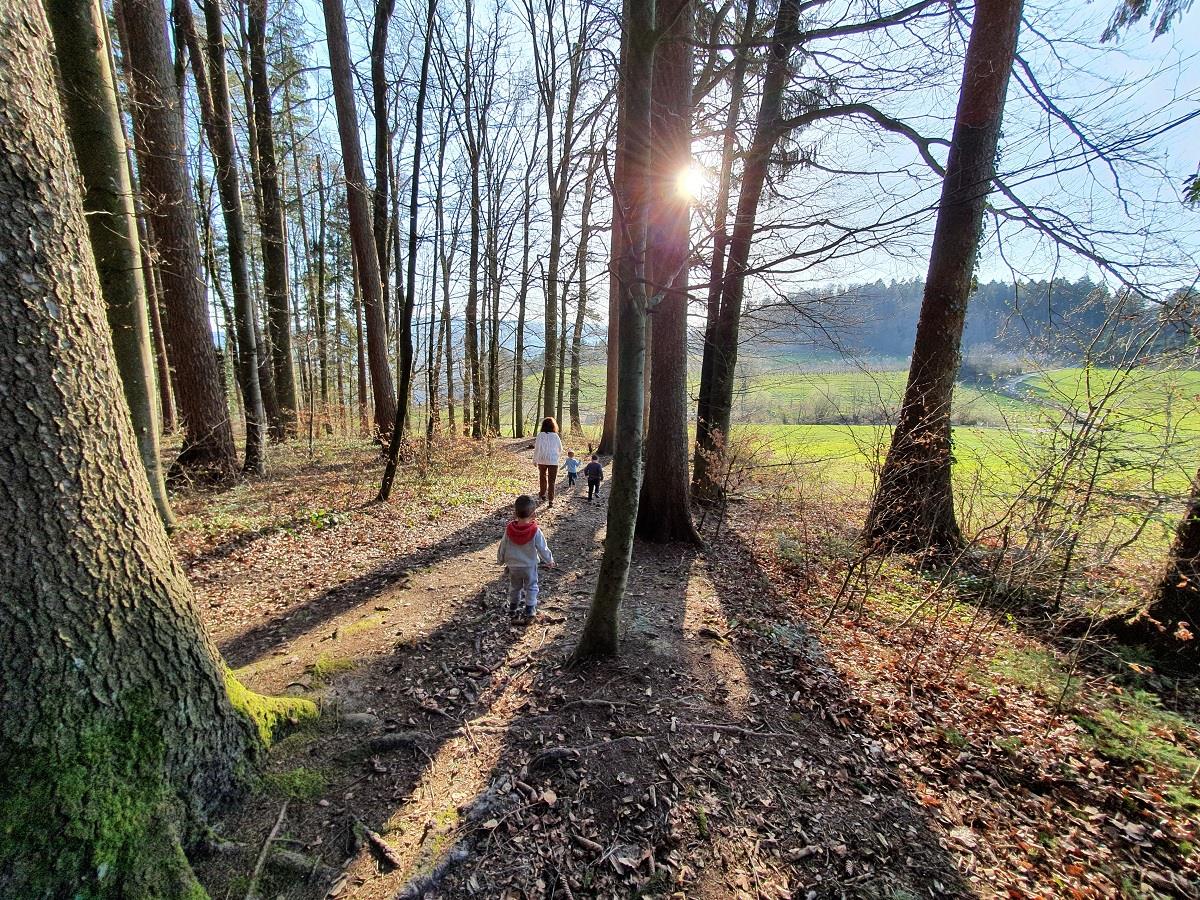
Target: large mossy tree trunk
271 226
664 513
599 635
913 506
89 98
362 237
721 340
118 726
166 186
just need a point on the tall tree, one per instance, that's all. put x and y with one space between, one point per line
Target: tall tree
213 92
737 87
664 513
89 98
581 276
608 432
716 390
118 722
361 237
383 141
405 323
271 224
167 197
913 506
630 203
560 72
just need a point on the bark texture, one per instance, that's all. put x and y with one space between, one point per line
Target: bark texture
599 635
664 513
358 202
208 448
89 97
913 507
116 730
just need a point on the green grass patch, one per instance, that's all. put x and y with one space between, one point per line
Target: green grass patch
300 783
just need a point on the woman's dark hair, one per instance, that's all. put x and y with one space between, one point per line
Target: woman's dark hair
548 424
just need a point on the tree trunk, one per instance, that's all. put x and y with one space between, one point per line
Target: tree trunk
717 393
362 352
405 324
608 433
599 636
361 236
166 397
89 99
522 299
208 448
214 113
664 513
383 141
472 368
704 437
1176 601
585 233
117 730
913 507
274 238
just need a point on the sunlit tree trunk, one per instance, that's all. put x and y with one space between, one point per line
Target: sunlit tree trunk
913 507
89 99
166 187
599 636
383 139
664 513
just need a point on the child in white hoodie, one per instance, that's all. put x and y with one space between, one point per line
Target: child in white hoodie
520 549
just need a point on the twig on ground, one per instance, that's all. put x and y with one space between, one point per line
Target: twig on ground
252 890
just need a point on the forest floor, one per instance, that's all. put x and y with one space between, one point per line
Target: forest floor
728 752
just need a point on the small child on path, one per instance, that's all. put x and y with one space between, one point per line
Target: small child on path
572 468
520 549
594 473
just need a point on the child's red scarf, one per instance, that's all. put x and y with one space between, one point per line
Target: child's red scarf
521 532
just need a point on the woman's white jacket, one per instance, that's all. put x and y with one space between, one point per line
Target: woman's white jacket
547 448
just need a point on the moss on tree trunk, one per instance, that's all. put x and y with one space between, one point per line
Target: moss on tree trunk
117 730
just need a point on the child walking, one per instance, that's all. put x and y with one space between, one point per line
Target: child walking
572 468
594 473
520 549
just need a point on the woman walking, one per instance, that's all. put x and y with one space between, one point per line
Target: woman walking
547 448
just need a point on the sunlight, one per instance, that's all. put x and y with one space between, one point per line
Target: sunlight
690 182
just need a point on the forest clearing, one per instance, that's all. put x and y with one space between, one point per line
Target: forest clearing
554 449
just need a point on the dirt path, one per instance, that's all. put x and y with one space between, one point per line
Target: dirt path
717 757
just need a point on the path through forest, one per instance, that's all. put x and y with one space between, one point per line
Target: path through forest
718 756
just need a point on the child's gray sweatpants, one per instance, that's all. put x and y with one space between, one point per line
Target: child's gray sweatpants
523 581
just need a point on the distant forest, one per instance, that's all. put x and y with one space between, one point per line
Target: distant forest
1043 320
